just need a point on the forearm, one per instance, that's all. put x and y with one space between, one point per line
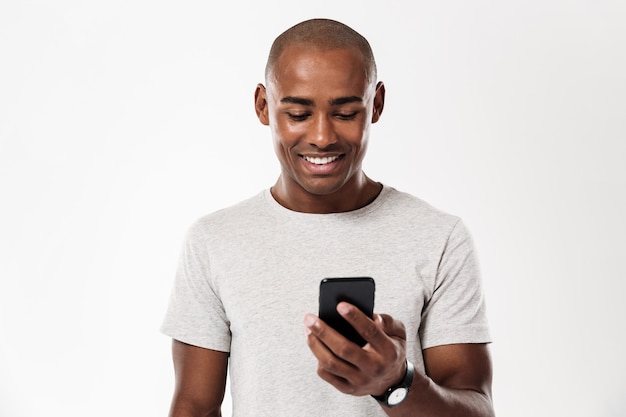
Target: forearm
427 399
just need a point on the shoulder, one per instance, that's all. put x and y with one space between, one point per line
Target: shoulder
231 220
410 216
413 210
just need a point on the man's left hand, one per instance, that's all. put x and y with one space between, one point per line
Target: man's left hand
369 370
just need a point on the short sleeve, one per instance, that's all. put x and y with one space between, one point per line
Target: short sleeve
456 312
195 314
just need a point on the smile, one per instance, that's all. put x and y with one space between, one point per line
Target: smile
320 161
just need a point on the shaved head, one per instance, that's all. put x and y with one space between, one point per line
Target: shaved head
324 34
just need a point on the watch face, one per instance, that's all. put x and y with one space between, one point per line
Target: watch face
397 396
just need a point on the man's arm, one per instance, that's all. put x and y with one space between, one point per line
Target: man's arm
457 380
200 381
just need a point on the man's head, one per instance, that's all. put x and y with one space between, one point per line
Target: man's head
324 34
320 100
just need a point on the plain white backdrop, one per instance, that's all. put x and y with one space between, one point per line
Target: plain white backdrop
121 122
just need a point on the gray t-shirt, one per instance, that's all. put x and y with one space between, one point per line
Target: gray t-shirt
248 274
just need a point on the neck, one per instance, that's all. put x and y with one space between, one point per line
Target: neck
352 196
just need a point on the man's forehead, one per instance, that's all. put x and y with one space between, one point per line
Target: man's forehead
312 93
298 55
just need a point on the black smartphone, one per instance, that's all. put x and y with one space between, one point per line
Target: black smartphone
358 291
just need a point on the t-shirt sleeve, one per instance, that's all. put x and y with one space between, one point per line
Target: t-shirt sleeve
195 314
456 312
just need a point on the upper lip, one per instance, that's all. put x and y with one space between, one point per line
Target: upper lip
322 155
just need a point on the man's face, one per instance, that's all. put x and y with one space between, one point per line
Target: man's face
319 105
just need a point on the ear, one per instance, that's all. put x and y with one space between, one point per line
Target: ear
379 101
260 104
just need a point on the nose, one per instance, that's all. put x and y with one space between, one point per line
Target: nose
322 134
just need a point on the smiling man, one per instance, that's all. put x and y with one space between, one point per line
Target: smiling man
249 274
319 104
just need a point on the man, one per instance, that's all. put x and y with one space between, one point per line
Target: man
249 274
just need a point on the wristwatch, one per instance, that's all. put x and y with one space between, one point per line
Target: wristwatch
398 393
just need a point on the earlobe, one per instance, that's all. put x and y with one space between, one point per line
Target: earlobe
379 101
260 104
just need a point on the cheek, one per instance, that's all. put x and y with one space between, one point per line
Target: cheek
283 143
356 134
285 134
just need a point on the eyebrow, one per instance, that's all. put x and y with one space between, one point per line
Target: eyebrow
334 102
297 100
346 100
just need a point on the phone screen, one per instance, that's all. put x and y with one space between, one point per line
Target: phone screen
358 291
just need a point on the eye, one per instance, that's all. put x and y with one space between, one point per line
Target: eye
298 117
346 116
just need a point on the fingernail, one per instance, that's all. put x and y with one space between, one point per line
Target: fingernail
309 320
343 308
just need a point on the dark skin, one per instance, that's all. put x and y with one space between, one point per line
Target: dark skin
457 380
319 105
200 381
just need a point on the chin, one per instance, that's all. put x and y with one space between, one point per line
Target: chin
323 189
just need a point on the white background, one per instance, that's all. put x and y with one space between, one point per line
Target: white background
121 122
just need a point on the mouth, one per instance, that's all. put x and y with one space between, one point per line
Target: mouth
317 160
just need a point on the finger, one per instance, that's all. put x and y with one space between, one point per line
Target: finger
344 376
315 325
332 339
329 363
341 384
366 327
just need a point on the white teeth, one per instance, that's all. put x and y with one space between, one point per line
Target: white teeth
321 161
